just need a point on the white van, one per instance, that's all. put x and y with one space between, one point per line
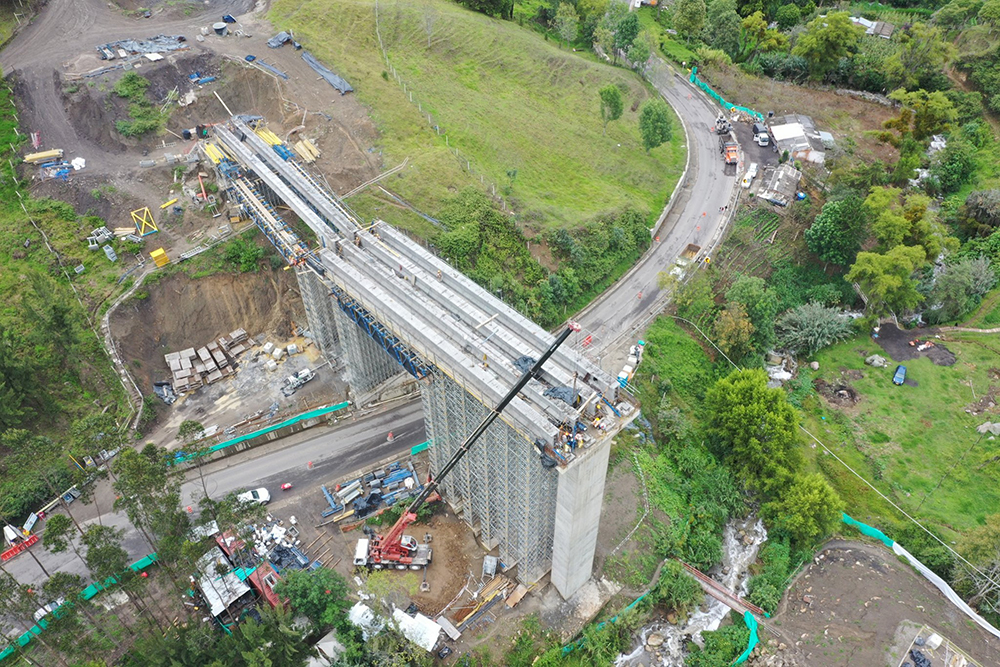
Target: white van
760 135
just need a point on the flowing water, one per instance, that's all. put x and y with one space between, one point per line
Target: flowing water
738 553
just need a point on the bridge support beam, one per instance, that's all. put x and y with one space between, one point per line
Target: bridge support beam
577 517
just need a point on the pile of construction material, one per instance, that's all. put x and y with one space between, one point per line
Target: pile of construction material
477 611
373 493
191 369
306 150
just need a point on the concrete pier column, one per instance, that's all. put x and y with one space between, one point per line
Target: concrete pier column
578 515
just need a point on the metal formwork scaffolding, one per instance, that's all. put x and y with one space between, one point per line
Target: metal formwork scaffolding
320 310
367 364
499 488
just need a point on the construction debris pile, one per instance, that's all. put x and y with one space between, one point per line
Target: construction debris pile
386 486
191 369
130 47
481 608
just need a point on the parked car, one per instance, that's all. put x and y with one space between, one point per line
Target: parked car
44 611
444 652
900 376
260 496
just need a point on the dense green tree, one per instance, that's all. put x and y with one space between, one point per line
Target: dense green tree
826 40
591 12
754 430
654 124
922 52
642 47
500 8
689 18
811 327
982 211
611 104
808 509
887 279
990 13
954 165
319 595
761 305
836 234
788 16
930 112
734 330
626 31
566 22
722 27
957 13
960 287
756 37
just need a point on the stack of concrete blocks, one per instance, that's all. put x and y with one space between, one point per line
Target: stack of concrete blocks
191 369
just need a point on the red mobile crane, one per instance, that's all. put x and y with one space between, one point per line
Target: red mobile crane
394 549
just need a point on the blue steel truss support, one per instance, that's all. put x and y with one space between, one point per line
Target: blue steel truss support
406 358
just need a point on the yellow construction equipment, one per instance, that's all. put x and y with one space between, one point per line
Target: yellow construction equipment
44 156
166 204
143 220
159 257
269 136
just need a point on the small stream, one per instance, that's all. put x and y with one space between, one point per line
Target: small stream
737 557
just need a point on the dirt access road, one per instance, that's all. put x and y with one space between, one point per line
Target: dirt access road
63 31
851 605
78 26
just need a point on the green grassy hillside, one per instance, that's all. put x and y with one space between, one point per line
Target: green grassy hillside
508 100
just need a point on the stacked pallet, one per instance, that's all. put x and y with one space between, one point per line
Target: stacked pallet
191 369
493 592
307 150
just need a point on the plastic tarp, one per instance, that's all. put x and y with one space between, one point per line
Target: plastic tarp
946 590
279 40
565 394
330 77
419 629
938 582
754 639
150 45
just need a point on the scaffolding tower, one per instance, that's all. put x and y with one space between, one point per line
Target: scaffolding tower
499 488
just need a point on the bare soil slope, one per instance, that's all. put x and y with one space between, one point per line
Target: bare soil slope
180 312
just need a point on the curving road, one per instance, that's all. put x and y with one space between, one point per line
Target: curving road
627 307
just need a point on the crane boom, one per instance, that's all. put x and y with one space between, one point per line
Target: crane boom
389 547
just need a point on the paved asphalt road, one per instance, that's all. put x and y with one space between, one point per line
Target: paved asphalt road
620 314
335 452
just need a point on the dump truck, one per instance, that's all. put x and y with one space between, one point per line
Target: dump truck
44 156
684 262
730 149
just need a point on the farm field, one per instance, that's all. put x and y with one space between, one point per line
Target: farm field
525 117
917 442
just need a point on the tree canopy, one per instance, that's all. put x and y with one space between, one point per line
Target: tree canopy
826 40
753 429
654 124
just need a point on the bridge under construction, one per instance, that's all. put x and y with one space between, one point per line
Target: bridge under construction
533 485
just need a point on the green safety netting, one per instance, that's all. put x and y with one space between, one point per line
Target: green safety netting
319 412
868 530
419 448
754 639
721 100
86 594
